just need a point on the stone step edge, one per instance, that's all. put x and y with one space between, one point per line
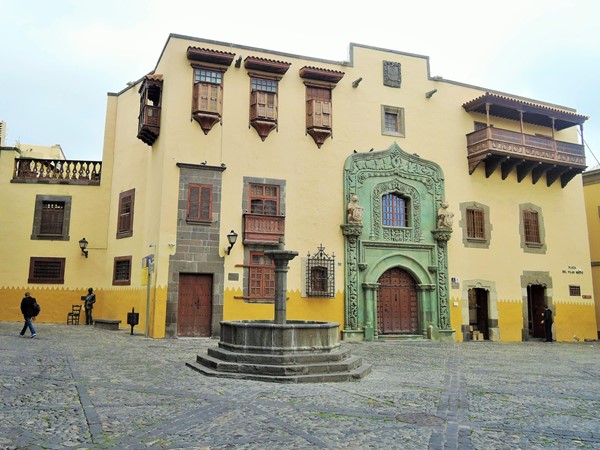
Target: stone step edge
268 358
279 369
354 375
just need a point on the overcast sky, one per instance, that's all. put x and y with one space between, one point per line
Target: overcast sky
60 58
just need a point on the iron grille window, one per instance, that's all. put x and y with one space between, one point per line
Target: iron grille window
574 291
46 270
531 226
320 274
199 207
53 214
264 199
125 220
207 76
475 223
394 210
122 271
262 277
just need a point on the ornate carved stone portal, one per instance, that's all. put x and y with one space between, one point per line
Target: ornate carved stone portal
404 223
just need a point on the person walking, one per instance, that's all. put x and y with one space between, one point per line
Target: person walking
548 320
89 300
28 310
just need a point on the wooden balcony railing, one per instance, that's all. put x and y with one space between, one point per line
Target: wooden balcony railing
262 229
537 155
59 171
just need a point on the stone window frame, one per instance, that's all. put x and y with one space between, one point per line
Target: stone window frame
532 247
400 130
36 233
470 242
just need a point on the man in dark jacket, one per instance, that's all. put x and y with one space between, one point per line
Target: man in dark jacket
28 310
548 321
89 301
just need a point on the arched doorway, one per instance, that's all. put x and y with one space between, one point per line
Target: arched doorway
397 306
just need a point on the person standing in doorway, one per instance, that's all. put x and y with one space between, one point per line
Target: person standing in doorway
89 300
28 310
548 320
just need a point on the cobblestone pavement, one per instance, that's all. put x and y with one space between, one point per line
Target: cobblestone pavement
79 387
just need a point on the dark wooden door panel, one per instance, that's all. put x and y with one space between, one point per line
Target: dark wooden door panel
397 310
194 309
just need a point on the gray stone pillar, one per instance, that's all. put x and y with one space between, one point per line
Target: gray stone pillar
280 258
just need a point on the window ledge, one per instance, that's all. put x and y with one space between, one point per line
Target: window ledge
534 244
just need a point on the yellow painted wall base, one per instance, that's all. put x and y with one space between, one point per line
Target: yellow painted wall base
298 308
574 322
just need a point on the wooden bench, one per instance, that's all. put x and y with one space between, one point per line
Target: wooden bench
107 324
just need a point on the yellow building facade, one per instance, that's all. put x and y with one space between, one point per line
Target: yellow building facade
420 207
591 189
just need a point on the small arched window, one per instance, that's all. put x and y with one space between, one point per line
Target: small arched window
394 210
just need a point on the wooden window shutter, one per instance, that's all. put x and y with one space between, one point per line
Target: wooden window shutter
208 98
199 203
263 105
475 224
318 113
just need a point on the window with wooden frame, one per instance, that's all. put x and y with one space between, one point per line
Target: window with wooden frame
46 270
207 103
531 227
150 109
199 204
122 271
392 121
53 214
319 84
207 99
475 223
395 210
264 199
263 99
264 82
261 277
125 214
51 217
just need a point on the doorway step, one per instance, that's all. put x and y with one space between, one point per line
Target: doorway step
401 337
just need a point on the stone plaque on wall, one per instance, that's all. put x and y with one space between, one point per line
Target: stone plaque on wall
392 76
232 276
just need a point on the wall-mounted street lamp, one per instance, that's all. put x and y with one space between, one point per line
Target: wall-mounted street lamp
231 237
83 243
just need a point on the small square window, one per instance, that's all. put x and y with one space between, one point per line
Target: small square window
122 271
574 291
392 121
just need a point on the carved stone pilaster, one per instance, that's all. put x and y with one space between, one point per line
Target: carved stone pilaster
442 236
352 233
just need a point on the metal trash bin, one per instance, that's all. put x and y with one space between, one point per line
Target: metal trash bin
133 319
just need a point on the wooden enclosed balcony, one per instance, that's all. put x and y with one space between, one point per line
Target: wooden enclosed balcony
508 150
57 171
263 229
496 148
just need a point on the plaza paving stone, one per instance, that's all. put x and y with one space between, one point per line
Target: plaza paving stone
79 387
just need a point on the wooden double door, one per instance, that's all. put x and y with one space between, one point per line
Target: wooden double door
397 305
194 308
